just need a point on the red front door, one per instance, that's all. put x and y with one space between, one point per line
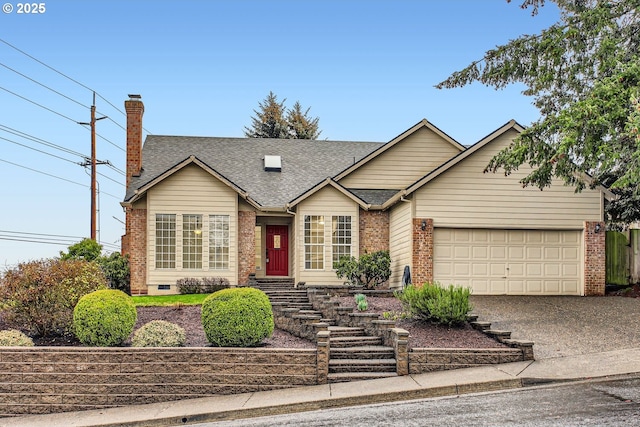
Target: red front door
277 250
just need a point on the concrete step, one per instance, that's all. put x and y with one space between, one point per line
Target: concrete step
363 352
345 331
341 377
362 365
340 342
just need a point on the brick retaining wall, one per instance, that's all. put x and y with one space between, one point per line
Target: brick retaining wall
57 379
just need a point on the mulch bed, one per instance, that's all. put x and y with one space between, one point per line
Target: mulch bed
422 334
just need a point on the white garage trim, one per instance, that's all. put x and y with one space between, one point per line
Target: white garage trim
511 262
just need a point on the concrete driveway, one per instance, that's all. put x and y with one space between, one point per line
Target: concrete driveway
564 326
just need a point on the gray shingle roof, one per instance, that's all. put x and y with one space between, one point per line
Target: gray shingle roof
374 197
304 162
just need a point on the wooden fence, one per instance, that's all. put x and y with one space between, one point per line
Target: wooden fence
623 257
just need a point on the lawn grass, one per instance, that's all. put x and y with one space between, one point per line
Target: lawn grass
168 300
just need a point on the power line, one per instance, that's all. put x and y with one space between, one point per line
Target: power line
35 149
43 85
40 140
39 105
59 114
40 234
44 173
57 177
73 80
62 158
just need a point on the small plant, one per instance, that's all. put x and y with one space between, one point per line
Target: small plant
104 318
14 338
159 333
189 285
434 303
361 302
237 317
395 315
214 284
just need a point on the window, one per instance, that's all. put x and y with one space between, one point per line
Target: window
192 241
218 242
313 242
165 241
341 237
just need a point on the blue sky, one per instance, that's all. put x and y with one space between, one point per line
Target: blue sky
365 68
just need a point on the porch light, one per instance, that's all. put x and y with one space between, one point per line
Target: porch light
597 228
423 226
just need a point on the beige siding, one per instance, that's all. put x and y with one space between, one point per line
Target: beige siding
400 245
327 202
464 196
191 191
403 164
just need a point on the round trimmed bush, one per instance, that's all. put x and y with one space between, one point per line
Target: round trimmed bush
14 338
237 317
159 333
104 318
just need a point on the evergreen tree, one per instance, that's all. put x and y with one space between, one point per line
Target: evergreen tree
301 126
269 122
273 120
584 75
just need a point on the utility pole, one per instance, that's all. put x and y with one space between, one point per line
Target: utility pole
94 163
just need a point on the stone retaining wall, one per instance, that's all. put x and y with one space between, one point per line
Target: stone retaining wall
39 380
423 360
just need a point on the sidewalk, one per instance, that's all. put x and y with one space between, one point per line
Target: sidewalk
447 383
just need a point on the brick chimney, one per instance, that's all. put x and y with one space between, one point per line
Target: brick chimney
135 109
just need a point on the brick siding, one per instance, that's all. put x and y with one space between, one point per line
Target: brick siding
246 246
422 251
594 261
134 244
374 231
135 110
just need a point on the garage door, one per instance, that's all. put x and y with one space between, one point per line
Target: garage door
515 262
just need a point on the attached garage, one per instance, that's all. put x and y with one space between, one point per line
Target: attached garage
511 262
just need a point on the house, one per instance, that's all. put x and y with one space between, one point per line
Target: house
232 207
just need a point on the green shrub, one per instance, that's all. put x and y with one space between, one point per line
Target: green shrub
14 338
117 271
104 318
206 285
434 303
115 266
189 285
214 284
237 317
39 296
360 297
370 271
159 333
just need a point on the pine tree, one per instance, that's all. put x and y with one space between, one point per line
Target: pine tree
273 120
301 126
269 122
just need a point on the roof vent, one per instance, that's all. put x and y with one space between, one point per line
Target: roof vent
273 163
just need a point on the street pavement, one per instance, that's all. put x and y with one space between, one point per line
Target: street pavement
576 338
